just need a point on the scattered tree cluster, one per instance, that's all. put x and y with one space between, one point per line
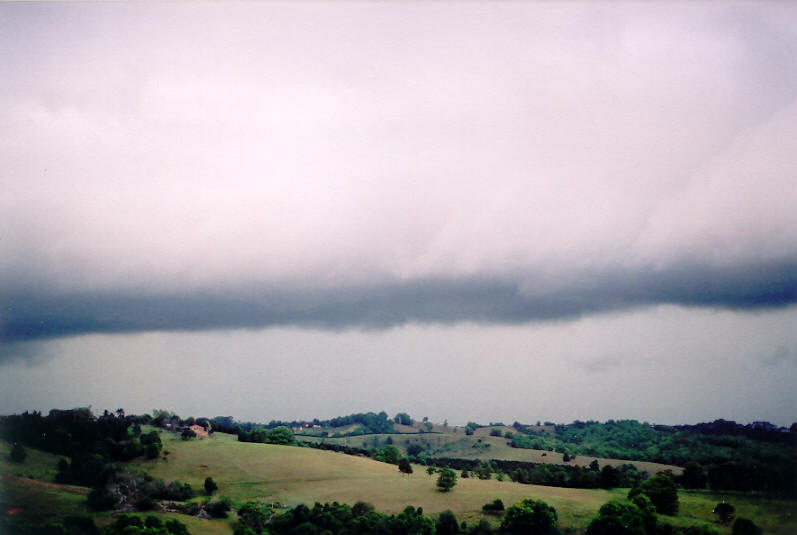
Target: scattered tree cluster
151 525
278 435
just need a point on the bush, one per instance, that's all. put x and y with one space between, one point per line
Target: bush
18 453
145 503
218 509
617 518
81 525
388 454
531 517
447 524
151 451
703 529
446 480
745 526
404 466
494 507
251 517
210 486
101 500
725 512
175 527
661 490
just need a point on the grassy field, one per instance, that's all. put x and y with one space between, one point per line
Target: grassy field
481 446
38 464
291 475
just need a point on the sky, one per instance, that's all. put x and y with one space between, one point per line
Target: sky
487 211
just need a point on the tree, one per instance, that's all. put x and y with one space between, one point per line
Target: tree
446 480
648 511
430 470
530 517
210 486
694 477
610 477
388 454
251 517
280 435
18 453
219 508
188 434
661 490
404 466
493 508
403 418
447 524
617 518
725 512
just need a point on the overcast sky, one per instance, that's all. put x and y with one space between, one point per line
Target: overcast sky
467 211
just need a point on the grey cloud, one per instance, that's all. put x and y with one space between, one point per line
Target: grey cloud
602 364
363 165
782 354
31 316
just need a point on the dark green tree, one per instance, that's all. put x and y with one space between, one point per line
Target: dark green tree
404 466
280 435
446 480
218 509
493 508
403 418
662 491
725 512
610 477
388 454
694 477
617 518
18 453
447 524
530 517
210 486
252 517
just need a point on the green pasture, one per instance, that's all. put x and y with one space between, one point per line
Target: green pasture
480 446
293 475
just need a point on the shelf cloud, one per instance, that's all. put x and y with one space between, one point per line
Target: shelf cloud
168 167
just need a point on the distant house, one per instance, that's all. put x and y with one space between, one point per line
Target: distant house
199 430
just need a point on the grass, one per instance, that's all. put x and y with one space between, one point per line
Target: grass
268 473
41 502
481 446
290 475
38 464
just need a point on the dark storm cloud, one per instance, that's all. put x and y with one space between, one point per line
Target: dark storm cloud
29 316
167 167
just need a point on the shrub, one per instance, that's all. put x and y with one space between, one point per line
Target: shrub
661 490
617 518
447 524
101 500
494 507
745 526
18 453
532 518
251 517
446 480
218 509
725 512
210 486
